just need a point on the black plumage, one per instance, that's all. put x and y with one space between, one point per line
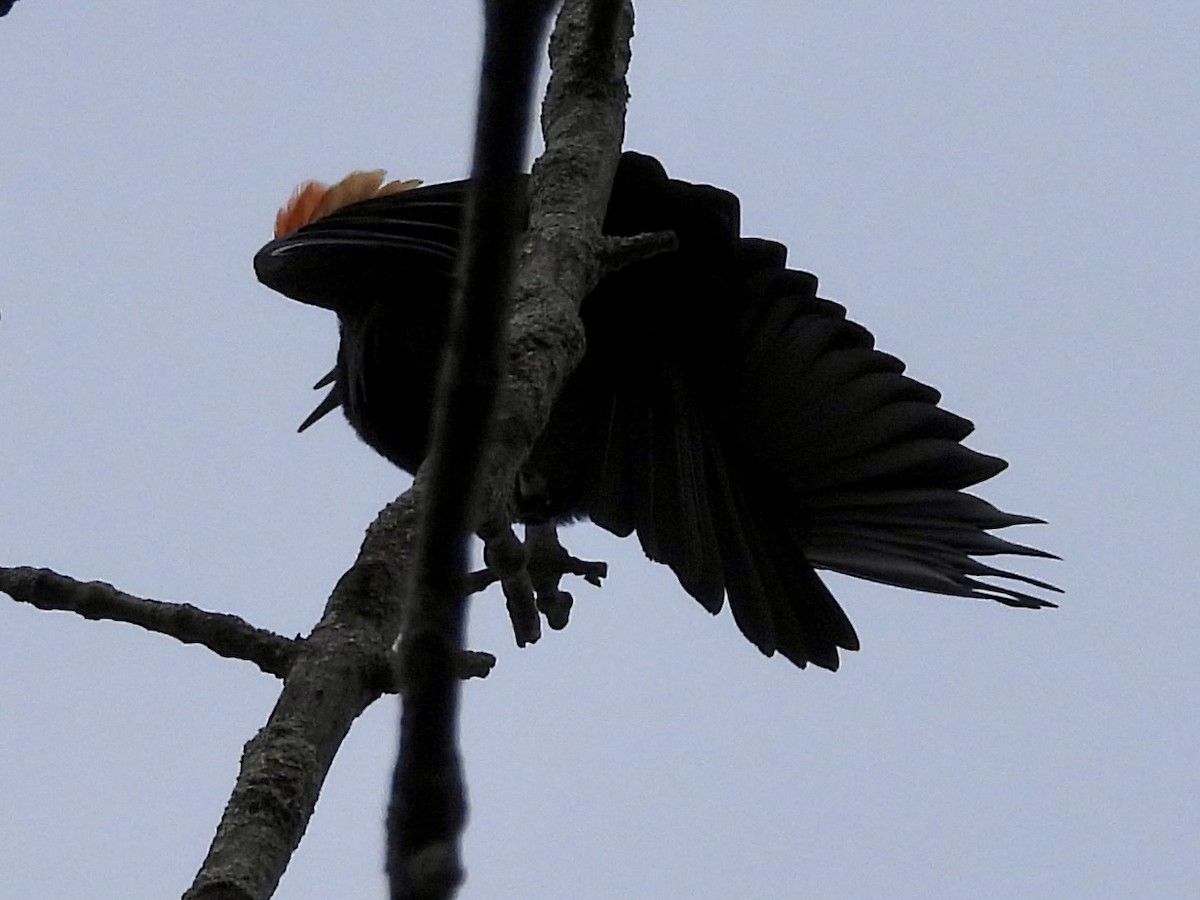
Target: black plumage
741 425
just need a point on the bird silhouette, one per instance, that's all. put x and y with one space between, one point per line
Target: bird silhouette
740 424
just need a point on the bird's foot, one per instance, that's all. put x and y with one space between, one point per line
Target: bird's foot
529 574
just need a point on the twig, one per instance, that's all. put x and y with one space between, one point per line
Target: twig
223 634
618 252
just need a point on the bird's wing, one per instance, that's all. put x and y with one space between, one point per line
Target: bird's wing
368 248
665 472
662 336
874 467
754 434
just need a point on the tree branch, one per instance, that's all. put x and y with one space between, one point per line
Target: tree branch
583 124
340 669
344 665
223 634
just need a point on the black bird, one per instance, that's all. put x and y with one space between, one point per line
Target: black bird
740 424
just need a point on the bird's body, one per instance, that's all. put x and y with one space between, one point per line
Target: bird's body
738 423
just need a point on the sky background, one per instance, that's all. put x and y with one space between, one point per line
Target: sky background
1006 194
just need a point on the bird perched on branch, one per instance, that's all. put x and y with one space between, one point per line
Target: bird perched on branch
740 424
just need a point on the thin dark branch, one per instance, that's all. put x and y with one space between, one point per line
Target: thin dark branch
428 807
223 634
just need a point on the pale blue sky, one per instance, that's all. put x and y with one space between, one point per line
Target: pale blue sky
1006 195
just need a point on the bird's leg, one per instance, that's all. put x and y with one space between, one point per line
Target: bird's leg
529 574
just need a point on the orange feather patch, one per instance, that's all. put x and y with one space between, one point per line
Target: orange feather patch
313 200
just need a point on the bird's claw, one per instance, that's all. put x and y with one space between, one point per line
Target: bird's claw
529 573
